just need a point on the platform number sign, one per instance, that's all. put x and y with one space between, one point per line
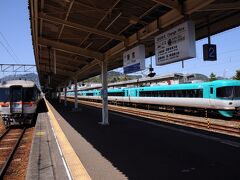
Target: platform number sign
209 52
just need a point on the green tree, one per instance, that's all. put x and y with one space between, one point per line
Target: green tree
237 75
212 77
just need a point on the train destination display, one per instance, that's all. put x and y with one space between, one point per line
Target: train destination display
134 59
176 44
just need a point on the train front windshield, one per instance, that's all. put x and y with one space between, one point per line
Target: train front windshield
229 92
16 94
4 94
29 94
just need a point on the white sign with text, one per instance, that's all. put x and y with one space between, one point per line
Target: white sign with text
134 59
176 44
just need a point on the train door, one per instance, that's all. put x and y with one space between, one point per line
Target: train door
16 102
125 92
211 96
131 92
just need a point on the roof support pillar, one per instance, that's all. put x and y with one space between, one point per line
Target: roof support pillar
104 94
65 97
59 97
75 93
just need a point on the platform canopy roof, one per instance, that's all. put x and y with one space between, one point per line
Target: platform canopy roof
75 36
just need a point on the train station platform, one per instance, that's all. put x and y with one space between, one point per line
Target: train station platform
51 155
45 160
132 148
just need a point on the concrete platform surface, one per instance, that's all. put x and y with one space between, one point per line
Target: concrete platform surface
131 148
45 160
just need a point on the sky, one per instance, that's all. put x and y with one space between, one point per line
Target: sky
15 31
228 54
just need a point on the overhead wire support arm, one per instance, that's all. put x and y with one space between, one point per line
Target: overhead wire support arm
16 68
27 70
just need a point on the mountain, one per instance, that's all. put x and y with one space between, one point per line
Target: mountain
29 76
113 77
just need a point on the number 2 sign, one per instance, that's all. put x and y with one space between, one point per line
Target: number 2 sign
209 52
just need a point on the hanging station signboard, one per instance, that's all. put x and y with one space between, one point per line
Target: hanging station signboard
209 52
134 59
176 44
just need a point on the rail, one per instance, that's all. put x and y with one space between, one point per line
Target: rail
231 128
4 133
9 158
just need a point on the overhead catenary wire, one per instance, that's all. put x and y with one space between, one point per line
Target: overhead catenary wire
8 51
13 54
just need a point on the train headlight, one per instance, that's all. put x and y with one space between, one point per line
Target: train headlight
4 105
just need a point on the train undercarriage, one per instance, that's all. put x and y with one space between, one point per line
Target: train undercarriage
17 119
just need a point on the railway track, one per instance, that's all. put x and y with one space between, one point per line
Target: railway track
231 128
9 143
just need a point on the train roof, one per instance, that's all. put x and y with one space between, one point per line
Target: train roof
225 82
197 85
217 83
23 83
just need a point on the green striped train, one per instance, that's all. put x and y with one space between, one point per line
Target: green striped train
222 96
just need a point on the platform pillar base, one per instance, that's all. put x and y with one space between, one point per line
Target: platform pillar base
103 124
76 110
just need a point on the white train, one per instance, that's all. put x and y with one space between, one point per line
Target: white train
222 96
18 101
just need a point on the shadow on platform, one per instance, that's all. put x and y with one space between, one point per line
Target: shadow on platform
144 151
42 108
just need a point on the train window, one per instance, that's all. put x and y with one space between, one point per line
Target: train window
155 93
225 92
200 93
191 93
4 94
115 93
211 90
179 93
237 92
29 95
173 93
89 94
145 94
16 94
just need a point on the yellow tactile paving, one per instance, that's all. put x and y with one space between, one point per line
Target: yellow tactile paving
74 164
40 133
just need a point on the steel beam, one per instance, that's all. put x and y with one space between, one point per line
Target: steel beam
70 48
59 70
150 29
149 10
66 60
60 63
66 17
170 4
162 22
222 7
81 27
101 20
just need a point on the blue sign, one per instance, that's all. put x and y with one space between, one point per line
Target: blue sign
132 68
134 59
209 52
